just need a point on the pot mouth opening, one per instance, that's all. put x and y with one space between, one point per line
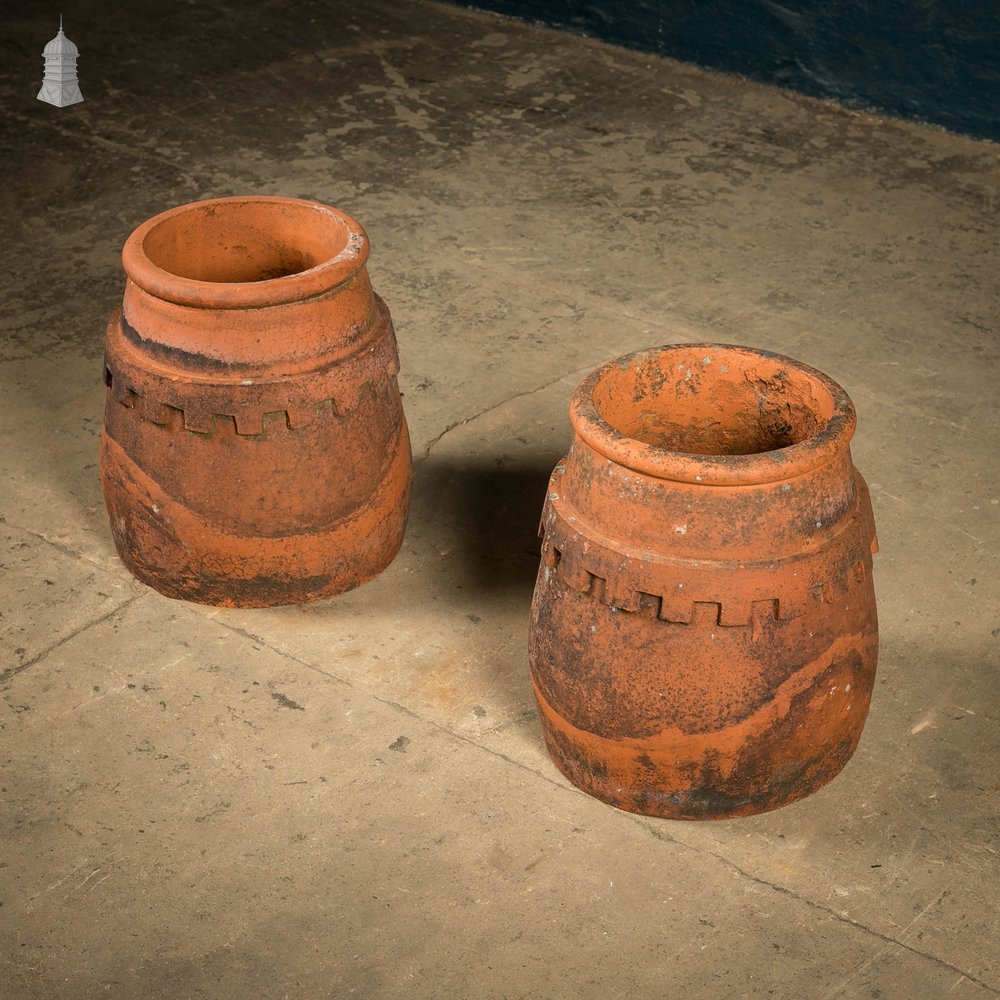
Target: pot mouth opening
244 252
714 414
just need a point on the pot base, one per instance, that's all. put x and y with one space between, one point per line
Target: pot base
169 547
775 759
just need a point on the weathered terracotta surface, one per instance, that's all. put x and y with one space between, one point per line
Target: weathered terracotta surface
704 634
254 449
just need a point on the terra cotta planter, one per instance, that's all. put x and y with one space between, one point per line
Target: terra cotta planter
703 634
254 449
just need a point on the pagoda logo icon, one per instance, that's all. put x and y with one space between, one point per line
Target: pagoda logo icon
60 86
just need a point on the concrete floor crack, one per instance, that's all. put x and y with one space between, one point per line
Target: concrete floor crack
58 546
813 904
38 657
495 406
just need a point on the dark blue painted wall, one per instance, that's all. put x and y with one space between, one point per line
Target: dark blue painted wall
933 60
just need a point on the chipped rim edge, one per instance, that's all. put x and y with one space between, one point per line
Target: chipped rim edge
714 470
313 281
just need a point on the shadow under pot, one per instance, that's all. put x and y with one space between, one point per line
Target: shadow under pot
254 449
703 633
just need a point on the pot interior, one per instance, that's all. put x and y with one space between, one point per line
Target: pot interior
244 241
713 401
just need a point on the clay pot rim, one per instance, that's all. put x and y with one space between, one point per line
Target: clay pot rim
777 465
324 277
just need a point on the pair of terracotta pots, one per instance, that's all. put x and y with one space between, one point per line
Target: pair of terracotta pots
703 634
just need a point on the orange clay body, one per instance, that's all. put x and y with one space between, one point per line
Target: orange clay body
704 635
254 449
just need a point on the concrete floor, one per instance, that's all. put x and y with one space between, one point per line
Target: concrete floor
352 798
